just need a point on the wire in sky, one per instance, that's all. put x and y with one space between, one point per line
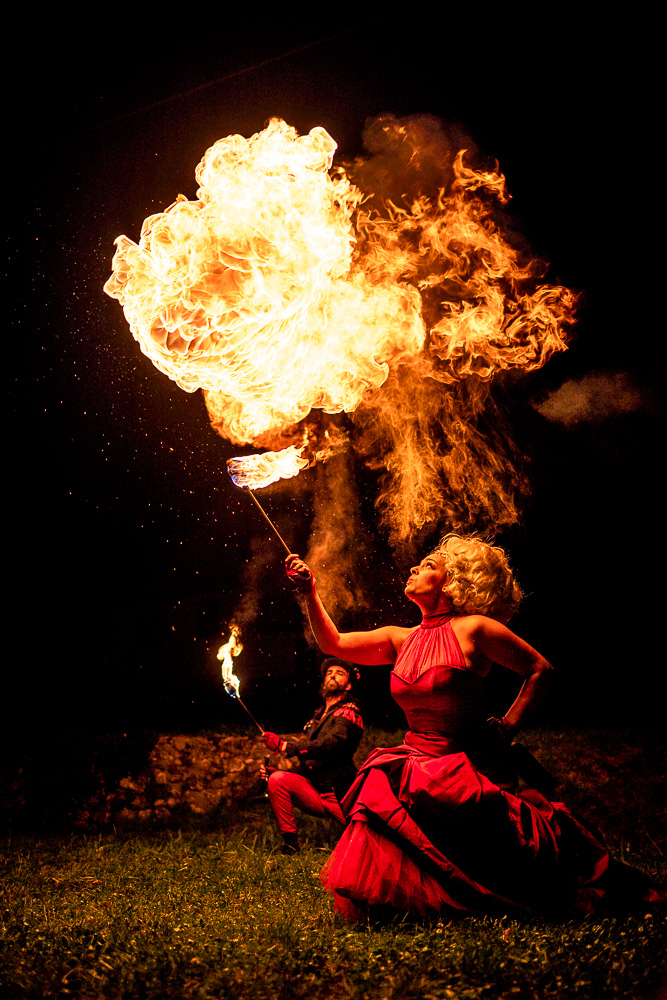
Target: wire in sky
218 80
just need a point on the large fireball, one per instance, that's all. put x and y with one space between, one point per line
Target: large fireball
390 290
249 292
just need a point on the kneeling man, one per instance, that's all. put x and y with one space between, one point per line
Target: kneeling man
325 768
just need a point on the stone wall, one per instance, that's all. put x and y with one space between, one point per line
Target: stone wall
154 780
185 777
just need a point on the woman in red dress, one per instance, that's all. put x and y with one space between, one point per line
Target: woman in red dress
442 825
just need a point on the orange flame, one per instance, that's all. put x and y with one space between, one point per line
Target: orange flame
247 293
225 654
285 289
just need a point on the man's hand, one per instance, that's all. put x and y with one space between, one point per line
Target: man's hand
273 742
299 574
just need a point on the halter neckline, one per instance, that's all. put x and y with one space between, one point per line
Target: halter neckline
432 621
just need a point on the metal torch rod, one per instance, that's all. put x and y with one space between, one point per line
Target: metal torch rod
251 715
270 523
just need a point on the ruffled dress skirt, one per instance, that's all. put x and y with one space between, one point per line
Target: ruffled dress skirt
432 836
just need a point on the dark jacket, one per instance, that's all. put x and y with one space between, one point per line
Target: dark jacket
332 738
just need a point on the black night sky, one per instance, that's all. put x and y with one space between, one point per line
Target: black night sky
127 540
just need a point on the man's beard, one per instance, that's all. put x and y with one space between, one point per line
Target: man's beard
329 689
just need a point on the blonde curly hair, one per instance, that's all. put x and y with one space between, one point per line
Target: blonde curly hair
479 578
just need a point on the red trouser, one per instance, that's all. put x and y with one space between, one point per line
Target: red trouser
288 789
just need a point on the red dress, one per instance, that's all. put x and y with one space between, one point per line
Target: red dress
440 826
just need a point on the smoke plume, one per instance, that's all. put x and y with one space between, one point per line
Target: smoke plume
339 546
256 580
593 398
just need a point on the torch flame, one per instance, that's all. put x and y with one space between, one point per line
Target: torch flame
225 654
258 471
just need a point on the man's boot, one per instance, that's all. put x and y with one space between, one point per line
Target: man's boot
290 844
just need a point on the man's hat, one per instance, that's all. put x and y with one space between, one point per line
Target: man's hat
333 661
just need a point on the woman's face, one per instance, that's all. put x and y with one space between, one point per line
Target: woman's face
428 578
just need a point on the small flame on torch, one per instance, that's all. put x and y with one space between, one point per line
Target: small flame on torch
258 471
225 654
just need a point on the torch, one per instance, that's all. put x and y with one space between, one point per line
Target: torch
230 649
268 520
257 471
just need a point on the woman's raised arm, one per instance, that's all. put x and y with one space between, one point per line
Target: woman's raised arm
372 648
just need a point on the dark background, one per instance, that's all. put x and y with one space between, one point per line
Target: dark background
127 540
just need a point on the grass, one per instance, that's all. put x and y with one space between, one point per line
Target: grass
206 914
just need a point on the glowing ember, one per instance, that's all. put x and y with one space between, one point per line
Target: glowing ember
225 654
258 471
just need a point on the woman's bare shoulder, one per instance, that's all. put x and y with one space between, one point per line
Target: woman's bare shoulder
478 625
